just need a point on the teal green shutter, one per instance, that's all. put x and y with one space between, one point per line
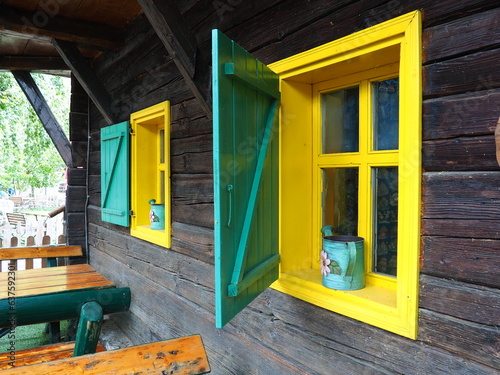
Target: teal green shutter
246 154
115 172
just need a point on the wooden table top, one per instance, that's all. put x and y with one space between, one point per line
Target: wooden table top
51 280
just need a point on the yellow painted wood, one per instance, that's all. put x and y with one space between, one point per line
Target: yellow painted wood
390 49
146 167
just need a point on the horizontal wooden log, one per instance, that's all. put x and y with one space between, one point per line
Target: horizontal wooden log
198 143
62 306
460 154
474 303
79 126
194 162
462 228
32 63
474 113
192 188
461 195
40 252
463 74
79 154
196 242
469 340
77 176
458 37
466 259
195 214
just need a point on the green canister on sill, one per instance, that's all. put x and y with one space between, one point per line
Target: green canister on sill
157 215
342 261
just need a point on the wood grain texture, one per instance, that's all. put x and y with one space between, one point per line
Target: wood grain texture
466 259
185 355
474 303
40 252
41 354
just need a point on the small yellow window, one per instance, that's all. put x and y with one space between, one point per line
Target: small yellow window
350 157
150 177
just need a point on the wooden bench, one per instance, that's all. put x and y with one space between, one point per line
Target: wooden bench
41 354
184 355
16 219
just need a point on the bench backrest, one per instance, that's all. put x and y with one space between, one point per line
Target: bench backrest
16 219
31 252
184 355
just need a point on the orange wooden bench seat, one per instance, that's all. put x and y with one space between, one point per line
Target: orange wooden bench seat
41 354
184 355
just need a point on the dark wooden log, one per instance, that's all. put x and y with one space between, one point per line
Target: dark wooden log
90 34
195 242
42 109
466 259
195 214
192 188
465 35
470 114
75 222
194 162
469 340
474 303
469 73
198 143
487 229
75 198
460 154
87 78
461 195
30 63
78 130
181 45
79 154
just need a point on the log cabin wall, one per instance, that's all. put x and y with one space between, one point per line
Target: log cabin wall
172 289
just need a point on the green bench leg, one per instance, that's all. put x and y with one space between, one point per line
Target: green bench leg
89 328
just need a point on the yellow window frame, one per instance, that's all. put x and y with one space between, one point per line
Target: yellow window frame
389 49
150 159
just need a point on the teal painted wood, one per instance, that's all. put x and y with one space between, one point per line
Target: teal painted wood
115 174
89 328
60 306
245 179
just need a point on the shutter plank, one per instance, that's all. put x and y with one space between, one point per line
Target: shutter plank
115 171
245 96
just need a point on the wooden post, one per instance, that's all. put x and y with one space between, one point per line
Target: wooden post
89 328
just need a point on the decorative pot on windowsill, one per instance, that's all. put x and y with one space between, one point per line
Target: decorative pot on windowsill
342 261
157 215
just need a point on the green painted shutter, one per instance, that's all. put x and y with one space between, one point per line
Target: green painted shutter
115 185
246 154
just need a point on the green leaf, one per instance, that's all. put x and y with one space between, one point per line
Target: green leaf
335 268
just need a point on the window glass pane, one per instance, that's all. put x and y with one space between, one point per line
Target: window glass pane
162 146
340 200
162 187
386 114
385 220
340 116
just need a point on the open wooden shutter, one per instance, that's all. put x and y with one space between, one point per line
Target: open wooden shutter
246 154
115 171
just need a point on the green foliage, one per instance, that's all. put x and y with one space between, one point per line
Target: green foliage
27 156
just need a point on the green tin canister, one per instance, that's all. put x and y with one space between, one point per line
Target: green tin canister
157 215
342 261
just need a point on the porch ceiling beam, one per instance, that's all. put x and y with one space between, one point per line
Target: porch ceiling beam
31 63
42 109
47 25
181 44
87 78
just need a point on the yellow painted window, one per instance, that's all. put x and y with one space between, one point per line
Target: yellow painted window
350 157
150 177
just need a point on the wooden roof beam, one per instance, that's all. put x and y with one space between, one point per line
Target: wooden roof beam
87 78
42 109
182 47
31 63
42 25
